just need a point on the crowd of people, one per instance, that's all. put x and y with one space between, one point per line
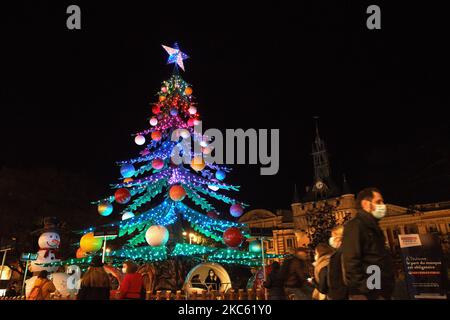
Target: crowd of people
96 284
340 267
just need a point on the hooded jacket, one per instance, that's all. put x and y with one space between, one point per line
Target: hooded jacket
95 285
293 272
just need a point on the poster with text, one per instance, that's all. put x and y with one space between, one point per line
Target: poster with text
424 269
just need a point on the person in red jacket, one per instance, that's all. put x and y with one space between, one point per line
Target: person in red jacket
132 283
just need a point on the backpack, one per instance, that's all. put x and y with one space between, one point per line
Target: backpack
36 293
284 270
336 278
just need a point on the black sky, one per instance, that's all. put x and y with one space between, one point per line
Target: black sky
72 99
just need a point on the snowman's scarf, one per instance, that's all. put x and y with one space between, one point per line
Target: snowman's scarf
48 251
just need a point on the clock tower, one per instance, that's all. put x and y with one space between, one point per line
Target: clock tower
323 186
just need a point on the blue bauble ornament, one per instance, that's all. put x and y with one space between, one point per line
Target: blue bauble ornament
105 209
220 175
127 170
173 112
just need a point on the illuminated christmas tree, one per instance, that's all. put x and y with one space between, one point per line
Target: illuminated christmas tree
158 194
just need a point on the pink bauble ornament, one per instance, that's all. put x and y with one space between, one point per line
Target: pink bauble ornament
212 215
192 110
236 210
157 164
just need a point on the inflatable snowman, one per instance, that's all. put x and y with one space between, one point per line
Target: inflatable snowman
62 282
48 245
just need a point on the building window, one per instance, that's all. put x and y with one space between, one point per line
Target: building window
270 243
411 229
432 228
290 243
395 233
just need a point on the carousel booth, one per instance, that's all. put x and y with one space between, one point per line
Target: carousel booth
195 280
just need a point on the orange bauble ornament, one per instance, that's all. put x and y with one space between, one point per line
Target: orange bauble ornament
127 180
162 98
177 193
188 91
156 135
198 164
90 244
80 253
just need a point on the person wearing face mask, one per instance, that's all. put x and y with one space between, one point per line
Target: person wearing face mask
132 284
322 254
212 281
363 245
335 280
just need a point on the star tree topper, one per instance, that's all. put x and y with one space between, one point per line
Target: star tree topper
175 55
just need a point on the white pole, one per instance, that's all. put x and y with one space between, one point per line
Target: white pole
104 250
25 277
264 266
3 262
262 255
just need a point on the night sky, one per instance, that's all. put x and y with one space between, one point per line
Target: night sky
71 99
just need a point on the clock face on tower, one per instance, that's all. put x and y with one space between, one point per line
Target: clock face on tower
319 185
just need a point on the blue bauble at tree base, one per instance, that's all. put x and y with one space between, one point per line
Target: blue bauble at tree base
220 175
127 170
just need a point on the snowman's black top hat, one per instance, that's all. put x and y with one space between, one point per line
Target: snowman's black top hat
51 224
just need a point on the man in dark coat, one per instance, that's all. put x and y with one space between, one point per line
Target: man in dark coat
364 250
293 271
274 283
95 284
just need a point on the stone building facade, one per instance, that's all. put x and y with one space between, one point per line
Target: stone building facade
288 226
